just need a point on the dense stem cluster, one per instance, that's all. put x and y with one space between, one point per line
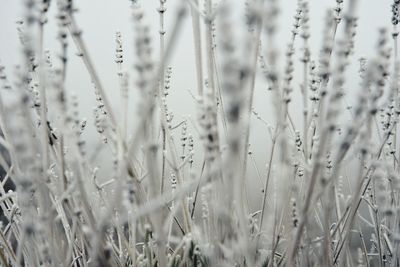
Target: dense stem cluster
182 190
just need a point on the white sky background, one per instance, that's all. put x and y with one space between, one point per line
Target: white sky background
99 20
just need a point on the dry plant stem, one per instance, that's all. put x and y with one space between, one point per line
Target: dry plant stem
212 168
316 169
197 48
324 83
364 248
395 35
25 245
186 214
197 191
62 164
153 174
266 186
234 202
307 202
4 130
304 87
327 224
283 217
46 210
274 139
84 197
82 50
282 115
3 259
121 237
221 100
210 66
353 210
43 106
358 197
157 203
211 78
114 207
80 173
305 110
41 186
8 248
377 223
70 233
331 187
253 66
275 238
200 12
7 206
153 86
161 10
124 103
278 111
332 178
164 147
176 169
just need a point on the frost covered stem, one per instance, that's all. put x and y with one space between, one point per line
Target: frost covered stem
80 45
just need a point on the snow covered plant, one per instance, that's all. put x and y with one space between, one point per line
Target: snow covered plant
308 178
